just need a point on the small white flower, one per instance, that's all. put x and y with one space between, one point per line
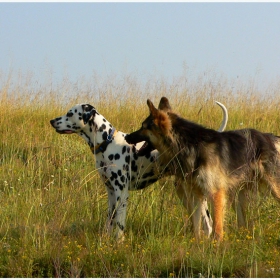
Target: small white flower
271 270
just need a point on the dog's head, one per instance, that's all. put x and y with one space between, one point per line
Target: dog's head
156 126
75 120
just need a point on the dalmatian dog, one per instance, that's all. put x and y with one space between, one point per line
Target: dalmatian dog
121 166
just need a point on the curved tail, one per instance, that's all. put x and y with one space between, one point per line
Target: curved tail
225 117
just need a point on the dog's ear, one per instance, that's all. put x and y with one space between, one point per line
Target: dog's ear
164 105
160 117
88 115
87 107
152 108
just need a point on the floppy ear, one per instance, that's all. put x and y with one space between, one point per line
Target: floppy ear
87 107
164 105
87 115
152 108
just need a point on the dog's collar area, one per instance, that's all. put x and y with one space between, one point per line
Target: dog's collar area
102 147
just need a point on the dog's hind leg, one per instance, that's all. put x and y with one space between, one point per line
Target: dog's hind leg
275 187
240 204
272 177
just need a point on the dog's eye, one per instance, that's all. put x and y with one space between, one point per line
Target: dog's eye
147 126
69 115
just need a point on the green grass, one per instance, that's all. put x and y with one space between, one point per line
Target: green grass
53 205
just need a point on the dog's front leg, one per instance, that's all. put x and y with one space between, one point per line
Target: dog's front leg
196 208
117 200
195 205
112 201
207 221
121 207
219 202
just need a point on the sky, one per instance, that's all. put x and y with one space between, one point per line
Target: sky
237 40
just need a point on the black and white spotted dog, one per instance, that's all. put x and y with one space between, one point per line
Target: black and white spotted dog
121 166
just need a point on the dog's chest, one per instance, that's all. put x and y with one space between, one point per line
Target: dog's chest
112 161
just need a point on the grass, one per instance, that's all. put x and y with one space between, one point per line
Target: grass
53 205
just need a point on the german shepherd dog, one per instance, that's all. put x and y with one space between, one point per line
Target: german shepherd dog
213 164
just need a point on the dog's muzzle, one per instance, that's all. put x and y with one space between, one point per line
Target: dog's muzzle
63 131
52 122
146 149
135 138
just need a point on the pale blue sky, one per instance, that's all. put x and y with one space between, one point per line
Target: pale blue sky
147 39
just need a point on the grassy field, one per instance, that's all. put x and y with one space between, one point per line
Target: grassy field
53 205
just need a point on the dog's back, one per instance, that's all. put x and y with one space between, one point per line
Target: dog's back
238 152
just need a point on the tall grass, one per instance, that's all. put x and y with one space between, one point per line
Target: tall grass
53 205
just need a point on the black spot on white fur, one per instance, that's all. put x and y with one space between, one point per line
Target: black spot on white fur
105 136
127 159
123 149
102 127
134 167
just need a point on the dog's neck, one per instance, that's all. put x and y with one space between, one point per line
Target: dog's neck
184 146
96 130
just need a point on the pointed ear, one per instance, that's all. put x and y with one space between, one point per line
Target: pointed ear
88 115
152 108
164 105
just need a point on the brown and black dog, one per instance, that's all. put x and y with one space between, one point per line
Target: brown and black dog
213 164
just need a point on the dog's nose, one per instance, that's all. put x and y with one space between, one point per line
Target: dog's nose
127 138
52 122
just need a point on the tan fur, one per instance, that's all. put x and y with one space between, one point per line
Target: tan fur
164 122
219 202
